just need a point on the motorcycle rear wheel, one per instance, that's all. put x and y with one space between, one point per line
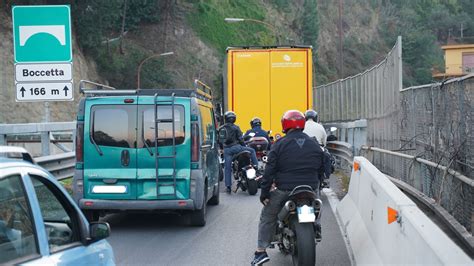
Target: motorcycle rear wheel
305 253
252 186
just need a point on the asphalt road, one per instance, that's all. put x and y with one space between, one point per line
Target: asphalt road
229 237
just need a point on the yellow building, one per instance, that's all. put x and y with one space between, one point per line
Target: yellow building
459 60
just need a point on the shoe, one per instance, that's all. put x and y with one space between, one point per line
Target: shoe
260 258
318 236
228 190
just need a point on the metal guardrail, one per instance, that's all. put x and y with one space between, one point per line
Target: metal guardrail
59 165
43 129
468 181
343 151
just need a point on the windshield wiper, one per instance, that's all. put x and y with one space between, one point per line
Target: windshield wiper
92 137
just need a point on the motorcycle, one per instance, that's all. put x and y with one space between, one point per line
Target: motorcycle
260 145
244 173
296 228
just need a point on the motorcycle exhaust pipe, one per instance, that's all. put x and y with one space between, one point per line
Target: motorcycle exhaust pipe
285 211
317 207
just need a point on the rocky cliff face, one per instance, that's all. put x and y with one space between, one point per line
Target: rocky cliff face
26 112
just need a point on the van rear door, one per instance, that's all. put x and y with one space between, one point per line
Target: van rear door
110 156
148 186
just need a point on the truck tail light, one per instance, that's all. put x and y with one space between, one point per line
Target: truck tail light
80 143
195 143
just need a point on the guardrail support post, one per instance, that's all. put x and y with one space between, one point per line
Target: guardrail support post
45 144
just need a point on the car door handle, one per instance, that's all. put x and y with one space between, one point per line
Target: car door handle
125 158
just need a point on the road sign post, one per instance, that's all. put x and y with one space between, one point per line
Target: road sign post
43 53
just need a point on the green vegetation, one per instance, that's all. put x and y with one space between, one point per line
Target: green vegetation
207 20
67 184
425 25
370 30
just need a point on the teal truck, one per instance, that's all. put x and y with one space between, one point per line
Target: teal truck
146 149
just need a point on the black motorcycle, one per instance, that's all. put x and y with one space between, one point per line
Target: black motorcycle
260 145
296 228
244 173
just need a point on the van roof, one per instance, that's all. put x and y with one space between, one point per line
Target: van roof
201 91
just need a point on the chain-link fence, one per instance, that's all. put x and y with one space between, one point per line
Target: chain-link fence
373 95
434 122
437 124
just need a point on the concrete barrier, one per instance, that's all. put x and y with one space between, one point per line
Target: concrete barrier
385 227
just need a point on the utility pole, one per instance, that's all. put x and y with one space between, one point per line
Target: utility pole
341 55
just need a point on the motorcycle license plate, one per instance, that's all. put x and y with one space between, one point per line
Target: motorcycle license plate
306 214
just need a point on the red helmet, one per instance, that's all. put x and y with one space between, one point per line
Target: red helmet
292 119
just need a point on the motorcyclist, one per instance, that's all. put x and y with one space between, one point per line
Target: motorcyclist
316 131
256 128
294 160
230 139
313 129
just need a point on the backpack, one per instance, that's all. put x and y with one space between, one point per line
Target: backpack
225 136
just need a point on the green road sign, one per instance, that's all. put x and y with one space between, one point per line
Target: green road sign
42 34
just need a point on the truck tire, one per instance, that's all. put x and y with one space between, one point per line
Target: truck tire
252 186
305 253
215 197
198 217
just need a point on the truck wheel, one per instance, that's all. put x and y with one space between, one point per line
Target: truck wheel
215 197
198 217
91 216
252 186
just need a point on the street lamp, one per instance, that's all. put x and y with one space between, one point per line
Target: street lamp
146 59
270 26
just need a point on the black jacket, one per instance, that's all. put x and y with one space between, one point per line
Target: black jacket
294 160
232 136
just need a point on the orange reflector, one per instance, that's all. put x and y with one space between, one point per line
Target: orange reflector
356 166
392 215
88 203
182 203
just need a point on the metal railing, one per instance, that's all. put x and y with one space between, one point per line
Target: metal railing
43 130
343 152
59 165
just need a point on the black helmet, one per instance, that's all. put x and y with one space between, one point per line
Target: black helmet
311 114
255 122
230 117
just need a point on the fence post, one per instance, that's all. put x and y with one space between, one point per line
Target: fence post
45 143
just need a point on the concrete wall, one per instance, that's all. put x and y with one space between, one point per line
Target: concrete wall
412 238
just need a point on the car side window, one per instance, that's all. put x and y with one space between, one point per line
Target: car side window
60 218
17 235
207 125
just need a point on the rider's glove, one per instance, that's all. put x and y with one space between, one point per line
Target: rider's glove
264 196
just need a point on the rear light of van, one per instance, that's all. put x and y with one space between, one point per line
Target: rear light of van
80 142
195 143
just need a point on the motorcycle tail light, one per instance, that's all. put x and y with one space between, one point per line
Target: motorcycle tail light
251 173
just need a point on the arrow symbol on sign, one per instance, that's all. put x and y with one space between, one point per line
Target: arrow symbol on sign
65 90
22 91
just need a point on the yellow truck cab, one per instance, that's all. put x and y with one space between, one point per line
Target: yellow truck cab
266 82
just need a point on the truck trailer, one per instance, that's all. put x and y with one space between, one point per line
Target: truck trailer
265 82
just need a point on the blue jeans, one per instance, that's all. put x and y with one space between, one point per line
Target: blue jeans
228 154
